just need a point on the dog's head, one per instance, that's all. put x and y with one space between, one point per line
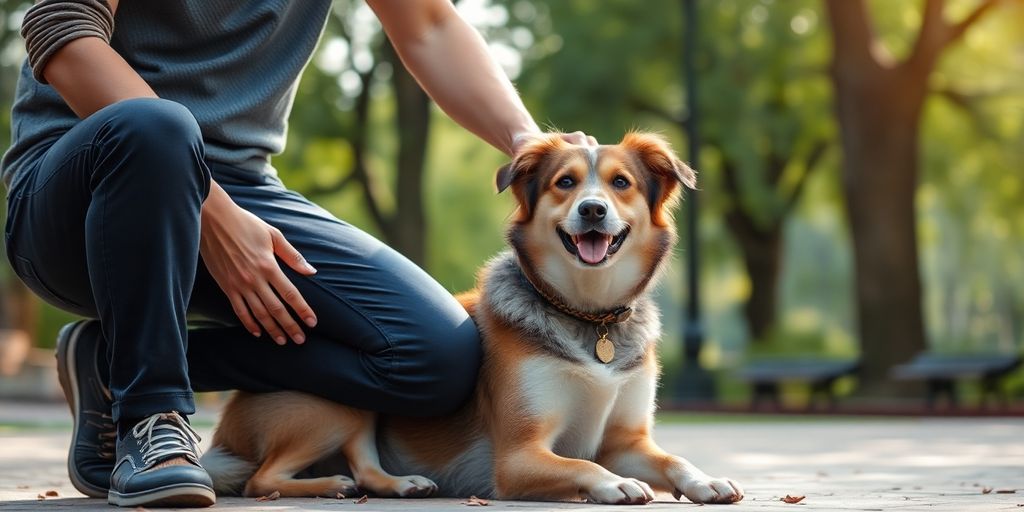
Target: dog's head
594 223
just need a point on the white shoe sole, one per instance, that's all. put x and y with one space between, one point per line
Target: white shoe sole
177 495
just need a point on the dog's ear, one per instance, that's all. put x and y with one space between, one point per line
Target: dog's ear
656 154
505 176
527 160
667 172
523 174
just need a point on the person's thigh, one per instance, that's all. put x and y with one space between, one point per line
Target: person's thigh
388 336
50 200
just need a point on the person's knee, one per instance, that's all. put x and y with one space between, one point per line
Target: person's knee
441 371
157 137
151 120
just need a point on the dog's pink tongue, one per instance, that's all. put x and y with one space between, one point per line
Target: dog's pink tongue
592 247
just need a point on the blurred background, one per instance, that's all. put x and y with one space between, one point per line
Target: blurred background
861 166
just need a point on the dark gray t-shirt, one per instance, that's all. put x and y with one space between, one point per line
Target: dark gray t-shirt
234 63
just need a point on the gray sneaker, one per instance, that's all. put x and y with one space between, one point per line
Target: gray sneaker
91 457
139 481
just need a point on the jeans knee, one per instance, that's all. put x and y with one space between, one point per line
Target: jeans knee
159 138
440 373
152 120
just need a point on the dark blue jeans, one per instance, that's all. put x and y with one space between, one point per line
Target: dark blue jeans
105 224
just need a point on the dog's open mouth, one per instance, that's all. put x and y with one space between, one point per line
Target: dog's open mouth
592 247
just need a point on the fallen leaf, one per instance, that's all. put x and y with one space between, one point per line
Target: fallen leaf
270 497
362 500
793 499
339 496
473 501
986 490
52 494
1006 491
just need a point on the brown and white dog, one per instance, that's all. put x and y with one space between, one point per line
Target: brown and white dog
564 405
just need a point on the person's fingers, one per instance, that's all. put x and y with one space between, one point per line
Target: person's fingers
287 291
242 312
289 254
264 317
578 138
280 313
592 141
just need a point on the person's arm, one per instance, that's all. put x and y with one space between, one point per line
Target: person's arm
450 60
238 248
90 75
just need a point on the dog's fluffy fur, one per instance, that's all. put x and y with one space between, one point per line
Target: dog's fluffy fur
548 420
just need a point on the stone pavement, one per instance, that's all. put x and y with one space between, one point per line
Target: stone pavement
837 463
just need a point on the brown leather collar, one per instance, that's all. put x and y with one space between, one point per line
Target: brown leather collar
612 316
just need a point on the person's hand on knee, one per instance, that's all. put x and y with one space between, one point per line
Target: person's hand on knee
240 250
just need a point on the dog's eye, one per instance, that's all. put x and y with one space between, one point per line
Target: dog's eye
620 183
565 182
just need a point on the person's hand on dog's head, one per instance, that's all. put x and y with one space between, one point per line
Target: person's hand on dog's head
578 138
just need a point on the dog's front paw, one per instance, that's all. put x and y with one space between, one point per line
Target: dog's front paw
621 491
710 490
340 484
414 486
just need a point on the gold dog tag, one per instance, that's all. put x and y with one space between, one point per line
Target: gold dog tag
604 349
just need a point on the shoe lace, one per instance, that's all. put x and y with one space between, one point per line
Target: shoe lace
108 433
166 434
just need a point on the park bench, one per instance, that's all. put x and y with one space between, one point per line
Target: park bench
942 371
765 376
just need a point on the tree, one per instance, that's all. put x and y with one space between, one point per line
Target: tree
878 104
762 97
762 101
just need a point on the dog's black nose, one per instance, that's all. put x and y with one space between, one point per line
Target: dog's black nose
593 210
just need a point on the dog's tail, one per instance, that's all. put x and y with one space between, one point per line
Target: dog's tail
228 471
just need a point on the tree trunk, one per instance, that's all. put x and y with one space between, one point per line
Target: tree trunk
408 225
879 112
878 106
762 256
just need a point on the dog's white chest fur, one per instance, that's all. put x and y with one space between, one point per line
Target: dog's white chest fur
578 397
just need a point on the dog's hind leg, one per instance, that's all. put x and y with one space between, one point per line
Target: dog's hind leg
361 452
304 430
280 466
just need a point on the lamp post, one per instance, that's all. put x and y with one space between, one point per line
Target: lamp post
694 384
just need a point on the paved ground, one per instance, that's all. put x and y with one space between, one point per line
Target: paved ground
838 464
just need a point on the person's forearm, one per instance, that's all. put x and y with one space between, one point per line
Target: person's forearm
90 75
450 60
